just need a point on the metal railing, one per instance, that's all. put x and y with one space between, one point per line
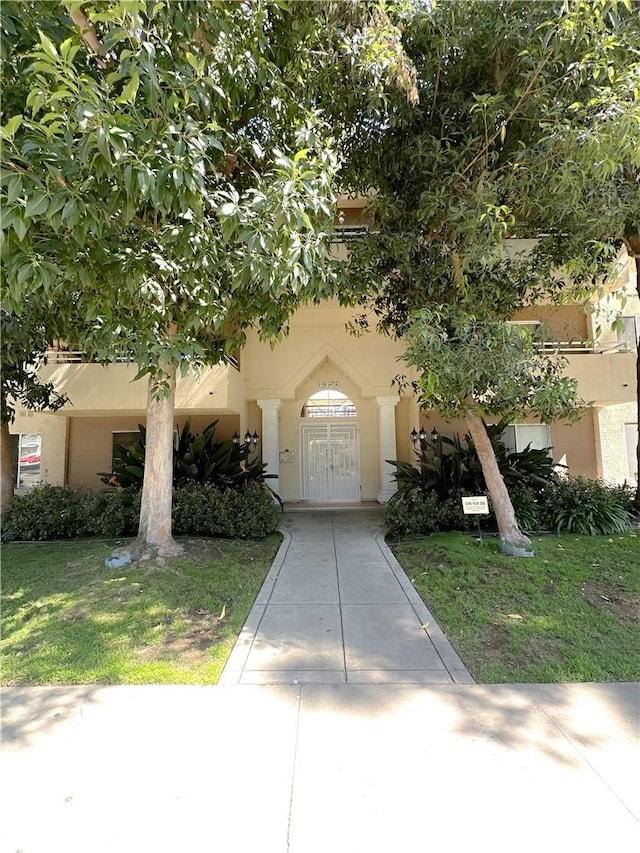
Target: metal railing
578 348
59 356
62 356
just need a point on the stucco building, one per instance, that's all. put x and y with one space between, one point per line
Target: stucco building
325 408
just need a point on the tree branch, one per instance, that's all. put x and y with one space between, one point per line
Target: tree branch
458 272
88 32
435 92
521 99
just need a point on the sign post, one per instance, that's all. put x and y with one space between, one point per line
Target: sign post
477 505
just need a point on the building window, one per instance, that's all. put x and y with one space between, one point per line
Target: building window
631 441
517 437
630 331
29 460
128 440
328 404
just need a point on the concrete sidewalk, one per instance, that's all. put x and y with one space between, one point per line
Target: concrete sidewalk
344 768
337 608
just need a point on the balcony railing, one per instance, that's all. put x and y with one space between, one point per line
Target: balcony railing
60 356
55 356
575 348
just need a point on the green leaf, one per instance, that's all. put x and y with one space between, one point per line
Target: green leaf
103 144
47 45
20 227
8 131
14 189
36 205
128 95
70 211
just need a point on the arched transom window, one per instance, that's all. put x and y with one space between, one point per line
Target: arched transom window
328 404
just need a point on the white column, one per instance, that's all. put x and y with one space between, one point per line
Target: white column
270 437
386 445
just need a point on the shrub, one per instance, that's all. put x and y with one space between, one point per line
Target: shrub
246 513
196 458
580 505
112 513
526 505
450 466
421 514
45 512
414 514
56 512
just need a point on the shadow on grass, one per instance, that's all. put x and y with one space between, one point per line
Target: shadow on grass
67 620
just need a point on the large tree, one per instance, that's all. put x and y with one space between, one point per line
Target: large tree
581 178
169 164
439 259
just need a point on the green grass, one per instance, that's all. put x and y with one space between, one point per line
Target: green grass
571 613
68 620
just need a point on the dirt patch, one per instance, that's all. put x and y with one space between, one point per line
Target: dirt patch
191 644
538 648
202 550
75 614
439 558
624 605
496 638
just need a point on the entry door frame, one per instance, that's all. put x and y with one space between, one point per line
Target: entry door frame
333 494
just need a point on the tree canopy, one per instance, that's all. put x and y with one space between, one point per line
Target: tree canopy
453 179
171 167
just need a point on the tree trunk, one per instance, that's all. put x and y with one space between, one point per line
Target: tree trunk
6 469
502 506
154 532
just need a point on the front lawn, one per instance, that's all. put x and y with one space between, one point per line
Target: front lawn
66 619
571 613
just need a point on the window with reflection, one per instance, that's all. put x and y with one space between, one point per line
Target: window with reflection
328 404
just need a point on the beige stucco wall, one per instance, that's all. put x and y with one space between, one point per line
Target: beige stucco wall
319 349
561 322
604 378
620 299
317 335
611 442
91 442
573 444
94 388
53 429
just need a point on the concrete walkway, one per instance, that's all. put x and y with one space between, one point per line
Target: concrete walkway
337 608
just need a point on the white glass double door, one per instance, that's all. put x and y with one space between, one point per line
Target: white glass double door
330 454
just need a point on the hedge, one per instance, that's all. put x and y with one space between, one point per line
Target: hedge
57 512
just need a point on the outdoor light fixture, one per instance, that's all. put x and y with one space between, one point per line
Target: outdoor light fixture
421 437
248 442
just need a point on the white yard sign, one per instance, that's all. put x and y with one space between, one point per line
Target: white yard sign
476 505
